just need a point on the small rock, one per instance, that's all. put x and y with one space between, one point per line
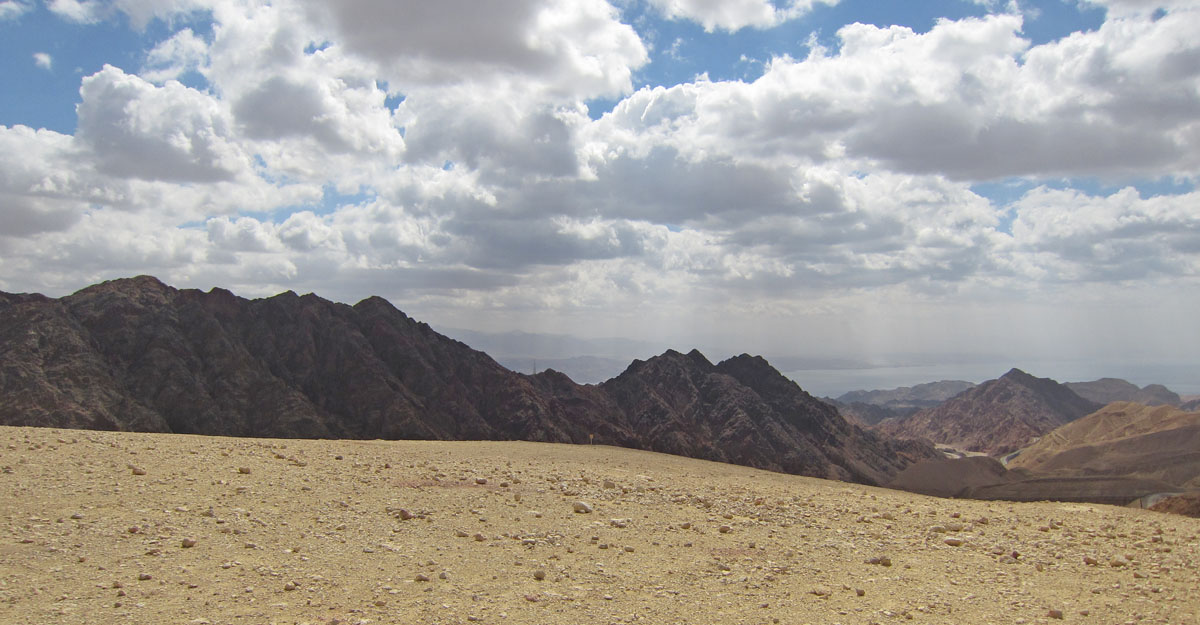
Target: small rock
290 586
481 480
188 543
724 529
1055 614
822 591
859 591
539 574
244 470
582 507
404 515
137 470
480 537
1090 561
953 542
609 484
461 533
421 577
143 576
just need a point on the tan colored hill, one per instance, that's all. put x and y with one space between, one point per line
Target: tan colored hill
107 527
1160 442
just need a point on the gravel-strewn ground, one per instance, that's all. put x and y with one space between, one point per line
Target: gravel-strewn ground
99 527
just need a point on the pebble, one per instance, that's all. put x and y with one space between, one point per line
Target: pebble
953 542
821 591
421 577
137 470
1055 614
188 543
539 574
582 507
244 470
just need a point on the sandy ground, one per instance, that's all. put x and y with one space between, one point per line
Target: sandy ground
132 528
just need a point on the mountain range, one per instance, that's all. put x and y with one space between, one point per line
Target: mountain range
136 354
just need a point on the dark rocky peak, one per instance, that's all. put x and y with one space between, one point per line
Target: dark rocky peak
758 374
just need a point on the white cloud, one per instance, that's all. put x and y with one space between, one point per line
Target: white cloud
734 15
575 48
80 11
11 9
43 60
171 58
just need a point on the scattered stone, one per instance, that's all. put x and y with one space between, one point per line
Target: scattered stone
404 514
860 592
881 561
609 484
953 542
481 480
1055 614
539 574
1090 561
137 470
290 586
582 507
188 543
461 533
822 591
244 470
724 529
143 577
421 577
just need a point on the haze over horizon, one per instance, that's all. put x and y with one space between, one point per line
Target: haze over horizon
954 181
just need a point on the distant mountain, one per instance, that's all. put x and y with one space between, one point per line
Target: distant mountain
136 354
1109 390
996 417
919 396
1122 439
871 407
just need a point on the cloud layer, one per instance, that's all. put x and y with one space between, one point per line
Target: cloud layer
442 154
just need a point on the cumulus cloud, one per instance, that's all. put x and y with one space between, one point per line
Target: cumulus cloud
736 14
575 47
170 133
442 153
43 60
170 59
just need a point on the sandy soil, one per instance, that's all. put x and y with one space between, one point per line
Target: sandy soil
132 528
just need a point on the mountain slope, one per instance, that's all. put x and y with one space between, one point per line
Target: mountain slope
1126 439
139 355
996 417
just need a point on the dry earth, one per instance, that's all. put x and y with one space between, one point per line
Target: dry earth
100 527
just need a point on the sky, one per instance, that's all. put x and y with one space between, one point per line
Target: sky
896 183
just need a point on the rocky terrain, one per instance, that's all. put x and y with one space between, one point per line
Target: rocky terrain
996 417
112 527
139 355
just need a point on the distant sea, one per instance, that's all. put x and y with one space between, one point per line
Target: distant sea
1181 378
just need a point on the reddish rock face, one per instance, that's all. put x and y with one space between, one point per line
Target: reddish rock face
996 417
139 355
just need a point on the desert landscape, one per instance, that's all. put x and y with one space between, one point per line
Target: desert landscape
108 527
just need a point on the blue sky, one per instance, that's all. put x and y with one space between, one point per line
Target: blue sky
841 178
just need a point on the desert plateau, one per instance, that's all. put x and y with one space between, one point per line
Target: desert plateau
108 527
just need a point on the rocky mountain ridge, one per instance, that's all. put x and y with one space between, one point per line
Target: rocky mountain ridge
996 417
136 354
